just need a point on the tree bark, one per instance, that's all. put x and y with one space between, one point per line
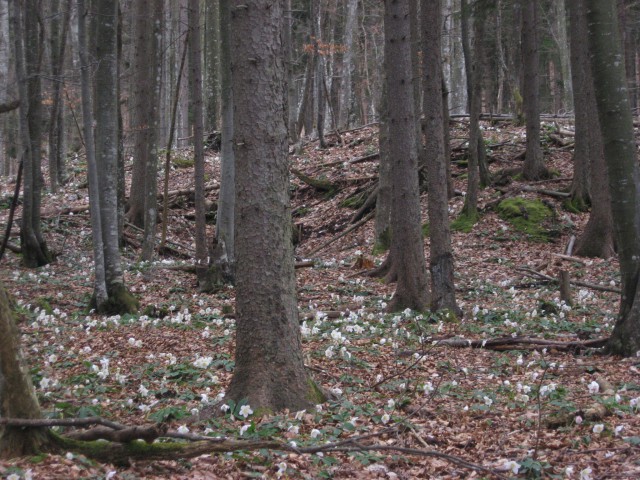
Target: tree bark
534 167
616 122
597 238
407 251
17 395
441 258
270 370
27 49
195 90
212 64
106 139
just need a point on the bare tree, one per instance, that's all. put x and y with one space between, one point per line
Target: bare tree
441 259
597 238
270 371
616 123
407 250
27 49
534 168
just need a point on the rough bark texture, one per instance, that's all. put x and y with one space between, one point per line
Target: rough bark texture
534 168
346 92
582 94
616 122
270 370
212 64
195 92
100 285
474 89
223 255
17 396
441 258
106 138
383 199
407 250
597 238
24 19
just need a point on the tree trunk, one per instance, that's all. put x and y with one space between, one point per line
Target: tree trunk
292 93
100 294
597 238
616 122
474 89
407 251
17 395
212 64
106 138
346 94
583 94
24 19
441 258
534 168
57 45
222 263
269 370
195 89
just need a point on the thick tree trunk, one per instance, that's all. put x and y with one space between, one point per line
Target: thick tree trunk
407 250
597 238
534 168
17 395
269 370
616 122
441 258
346 93
292 93
383 199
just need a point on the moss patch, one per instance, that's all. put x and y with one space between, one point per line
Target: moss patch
530 217
425 230
464 223
183 162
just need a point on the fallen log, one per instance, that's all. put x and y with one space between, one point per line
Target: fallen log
520 343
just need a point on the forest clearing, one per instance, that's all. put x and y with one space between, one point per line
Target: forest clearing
534 402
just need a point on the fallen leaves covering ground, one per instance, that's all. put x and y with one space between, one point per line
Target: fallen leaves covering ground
524 412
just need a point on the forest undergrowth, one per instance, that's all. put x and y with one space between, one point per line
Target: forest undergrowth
406 383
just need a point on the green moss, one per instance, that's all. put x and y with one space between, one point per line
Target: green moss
120 301
355 201
575 205
464 223
527 216
183 162
315 395
43 303
425 230
383 242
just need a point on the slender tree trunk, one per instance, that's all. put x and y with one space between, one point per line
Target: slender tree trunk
534 168
346 93
383 199
195 89
106 138
57 47
407 251
212 64
292 95
584 105
100 294
24 17
270 372
441 259
616 122
320 98
223 254
474 89
5 158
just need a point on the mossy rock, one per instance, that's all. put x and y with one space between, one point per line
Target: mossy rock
530 217
355 201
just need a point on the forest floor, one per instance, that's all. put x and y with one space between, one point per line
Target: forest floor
520 410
